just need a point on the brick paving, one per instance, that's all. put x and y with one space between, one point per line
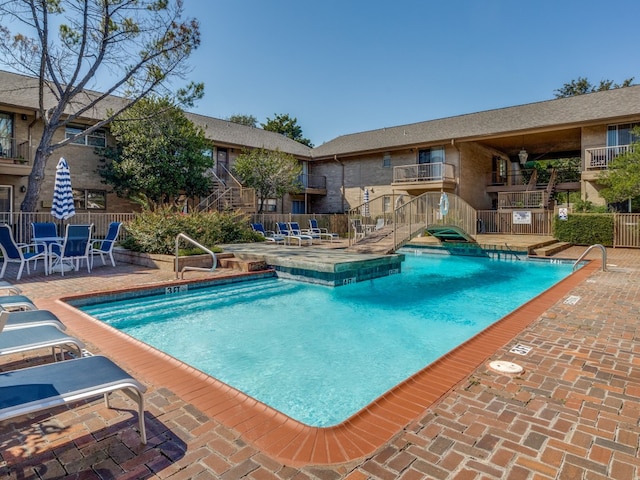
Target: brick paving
572 414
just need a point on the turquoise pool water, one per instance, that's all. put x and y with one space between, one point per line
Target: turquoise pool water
320 354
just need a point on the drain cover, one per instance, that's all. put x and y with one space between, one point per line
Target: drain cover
506 367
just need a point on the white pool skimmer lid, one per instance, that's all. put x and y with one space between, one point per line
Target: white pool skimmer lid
501 366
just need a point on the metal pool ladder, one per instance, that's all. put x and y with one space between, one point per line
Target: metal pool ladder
604 256
202 247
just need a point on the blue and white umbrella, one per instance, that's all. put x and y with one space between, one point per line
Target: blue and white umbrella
62 206
365 206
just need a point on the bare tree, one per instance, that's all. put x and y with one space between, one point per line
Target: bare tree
140 46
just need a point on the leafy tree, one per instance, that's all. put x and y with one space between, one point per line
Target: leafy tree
271 173
248 120
622 179
288 127
140 45
582 86
159 154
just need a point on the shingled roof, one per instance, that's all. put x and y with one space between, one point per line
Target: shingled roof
22 91
589 108
599 107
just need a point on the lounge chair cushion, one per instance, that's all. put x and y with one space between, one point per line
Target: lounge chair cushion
37 337
31 318
11 302
43 387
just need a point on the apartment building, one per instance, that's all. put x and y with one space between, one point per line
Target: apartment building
485 157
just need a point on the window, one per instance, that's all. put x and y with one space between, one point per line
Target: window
270 205
386 160
89 199
386 203
94 139
6 134
621 134
431 155
431 160
297 206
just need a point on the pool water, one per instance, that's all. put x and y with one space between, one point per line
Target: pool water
319 354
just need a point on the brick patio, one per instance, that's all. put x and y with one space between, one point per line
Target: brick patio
573 413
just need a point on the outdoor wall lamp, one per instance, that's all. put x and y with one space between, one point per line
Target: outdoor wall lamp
523 155
23 188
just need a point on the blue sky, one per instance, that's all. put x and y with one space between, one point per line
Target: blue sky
345 66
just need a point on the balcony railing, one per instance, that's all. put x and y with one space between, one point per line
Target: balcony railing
313 181
423 172
542 177
515 200
599 158
10 149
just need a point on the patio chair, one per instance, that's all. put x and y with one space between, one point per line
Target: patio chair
283 229
17 253
44 387
323 232
267 234
42 235
20 340
76 246
105 246
30 318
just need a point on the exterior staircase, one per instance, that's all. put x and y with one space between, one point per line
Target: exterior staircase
226 197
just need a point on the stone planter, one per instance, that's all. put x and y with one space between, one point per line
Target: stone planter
165 262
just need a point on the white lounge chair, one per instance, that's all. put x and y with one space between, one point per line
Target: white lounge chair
322 232
283 229
267 234
44 387
30 318
38 337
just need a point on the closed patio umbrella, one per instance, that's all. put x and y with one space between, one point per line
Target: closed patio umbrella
365 206
62 206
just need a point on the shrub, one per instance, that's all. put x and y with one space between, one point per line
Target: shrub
585 229
156 231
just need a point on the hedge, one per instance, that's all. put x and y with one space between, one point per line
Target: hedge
585 229
156 231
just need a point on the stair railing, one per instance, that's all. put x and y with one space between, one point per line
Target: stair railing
187 267
584 254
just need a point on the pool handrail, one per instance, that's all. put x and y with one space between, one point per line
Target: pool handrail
584 254
187 267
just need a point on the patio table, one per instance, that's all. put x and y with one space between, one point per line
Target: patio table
46 243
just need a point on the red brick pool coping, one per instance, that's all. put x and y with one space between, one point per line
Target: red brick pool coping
288 440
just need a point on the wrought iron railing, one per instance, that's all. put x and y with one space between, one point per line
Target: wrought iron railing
11 149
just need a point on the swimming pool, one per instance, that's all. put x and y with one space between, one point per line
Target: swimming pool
320 354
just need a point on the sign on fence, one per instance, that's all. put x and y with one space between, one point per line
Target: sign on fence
522 217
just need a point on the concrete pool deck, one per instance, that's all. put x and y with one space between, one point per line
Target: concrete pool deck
571 414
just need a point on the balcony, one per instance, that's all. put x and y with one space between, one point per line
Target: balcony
536 199
424 177
313 184
566 178
14 157
600 158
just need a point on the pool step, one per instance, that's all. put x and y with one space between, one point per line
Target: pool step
551 249
243 265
